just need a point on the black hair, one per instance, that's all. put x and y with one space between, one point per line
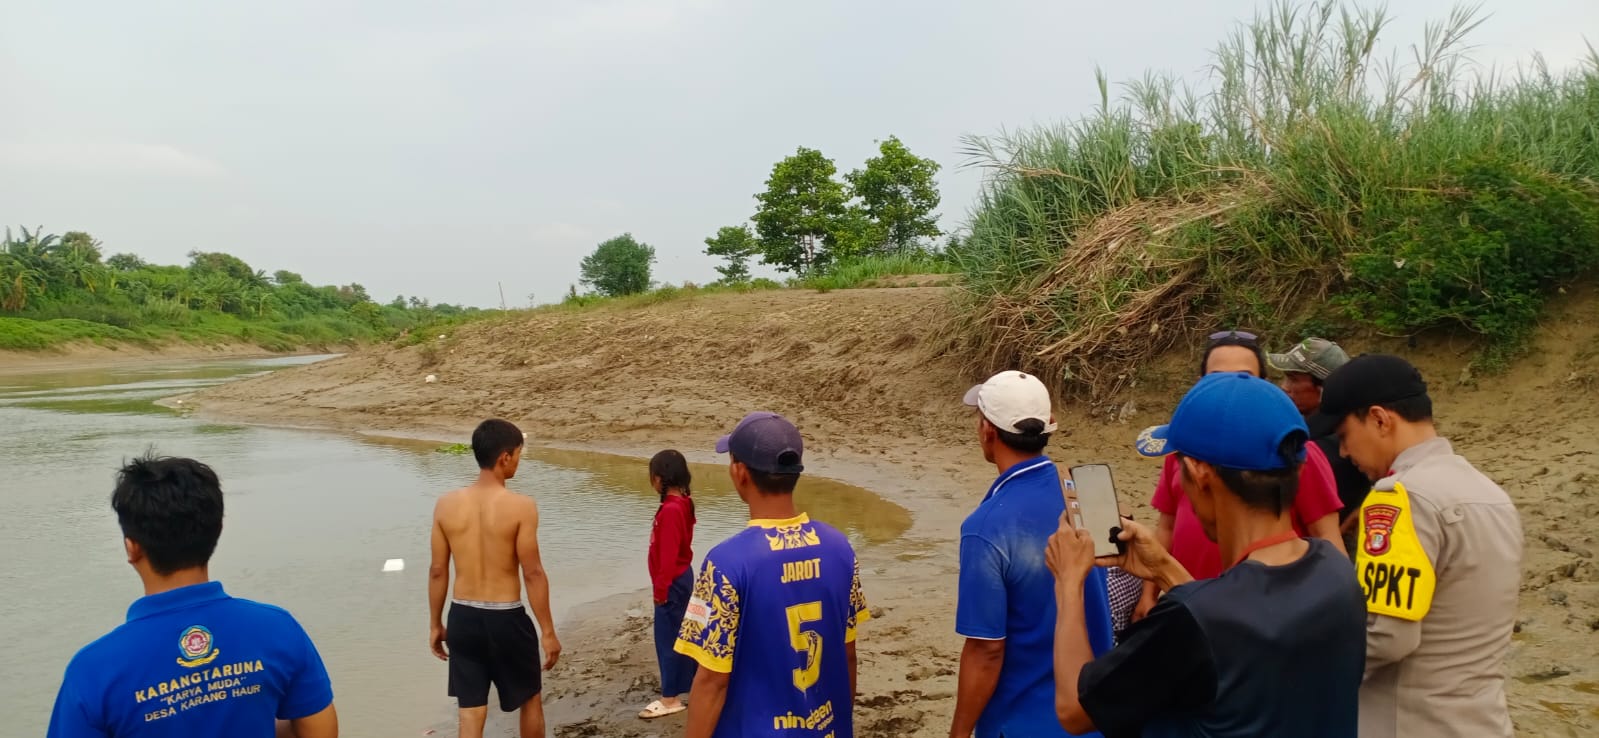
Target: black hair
1234 339
672 469
1413 409
495 438
770 483
1031 440
172 508
1272 490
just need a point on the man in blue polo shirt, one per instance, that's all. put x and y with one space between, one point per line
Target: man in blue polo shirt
1006 604
190 660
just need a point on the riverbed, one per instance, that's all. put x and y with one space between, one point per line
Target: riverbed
311 517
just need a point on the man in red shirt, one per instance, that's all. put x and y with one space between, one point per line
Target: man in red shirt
1315 511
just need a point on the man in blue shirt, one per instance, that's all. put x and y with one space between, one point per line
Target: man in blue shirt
1006 604
190 660
773 616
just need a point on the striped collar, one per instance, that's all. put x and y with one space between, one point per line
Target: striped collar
1015 471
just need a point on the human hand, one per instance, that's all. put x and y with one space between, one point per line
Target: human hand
1070 554
436 637
1143 556
1146 602
552 650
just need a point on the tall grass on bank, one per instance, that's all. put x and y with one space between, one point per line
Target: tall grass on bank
1311 181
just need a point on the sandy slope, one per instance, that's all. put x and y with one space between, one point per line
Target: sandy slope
859 372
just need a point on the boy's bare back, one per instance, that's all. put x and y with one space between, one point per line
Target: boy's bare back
487 531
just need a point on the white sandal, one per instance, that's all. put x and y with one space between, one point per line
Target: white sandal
658 710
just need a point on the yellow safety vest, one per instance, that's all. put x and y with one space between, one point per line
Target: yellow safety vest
1394 569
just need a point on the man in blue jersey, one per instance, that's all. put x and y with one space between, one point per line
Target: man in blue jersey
190 660
773 616
1006 604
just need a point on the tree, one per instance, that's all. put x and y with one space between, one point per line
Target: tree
799 212
736 244
202 263
897 191
284 276
855 233
19 281
620 266
80 246
126 263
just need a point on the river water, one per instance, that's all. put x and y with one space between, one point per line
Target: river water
311 517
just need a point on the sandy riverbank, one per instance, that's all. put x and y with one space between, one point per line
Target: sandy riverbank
861 373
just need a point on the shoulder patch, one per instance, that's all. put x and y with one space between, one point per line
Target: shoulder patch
1396 573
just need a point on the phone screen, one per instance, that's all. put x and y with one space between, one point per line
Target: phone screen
1098 511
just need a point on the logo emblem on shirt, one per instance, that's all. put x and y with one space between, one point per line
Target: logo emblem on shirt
698 611
1379 522
196 647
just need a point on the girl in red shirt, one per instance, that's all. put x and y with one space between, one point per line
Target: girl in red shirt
671 561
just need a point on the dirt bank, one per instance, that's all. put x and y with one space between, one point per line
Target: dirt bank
860 372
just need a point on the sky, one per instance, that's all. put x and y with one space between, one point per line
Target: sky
447 149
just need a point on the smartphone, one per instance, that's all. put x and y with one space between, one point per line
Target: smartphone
1097 509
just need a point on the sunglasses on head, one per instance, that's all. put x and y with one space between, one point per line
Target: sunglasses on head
1222 335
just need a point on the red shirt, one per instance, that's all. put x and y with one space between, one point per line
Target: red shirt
671 543
1318 496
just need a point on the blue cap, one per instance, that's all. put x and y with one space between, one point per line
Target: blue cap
1232 419
765 442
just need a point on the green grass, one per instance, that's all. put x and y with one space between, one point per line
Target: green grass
867 271
846 274
1308 182
656 296
23 334
29 334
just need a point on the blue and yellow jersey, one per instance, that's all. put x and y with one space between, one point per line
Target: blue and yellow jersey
774 607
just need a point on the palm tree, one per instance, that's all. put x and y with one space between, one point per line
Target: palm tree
18 282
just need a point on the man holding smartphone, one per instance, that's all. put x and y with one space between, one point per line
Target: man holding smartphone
1275 645
1006 606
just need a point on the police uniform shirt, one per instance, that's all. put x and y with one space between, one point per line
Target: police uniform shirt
193 662
1440 617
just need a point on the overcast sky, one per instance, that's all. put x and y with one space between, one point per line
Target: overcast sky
434 148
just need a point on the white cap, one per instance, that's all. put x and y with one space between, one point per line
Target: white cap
1008 398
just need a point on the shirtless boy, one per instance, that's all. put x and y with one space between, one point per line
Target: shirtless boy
490 532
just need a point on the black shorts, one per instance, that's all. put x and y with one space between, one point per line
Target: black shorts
498 646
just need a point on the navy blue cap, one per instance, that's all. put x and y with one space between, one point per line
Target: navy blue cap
1232 419
765 442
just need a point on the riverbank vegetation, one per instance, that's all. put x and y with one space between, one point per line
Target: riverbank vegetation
62 289
1312 182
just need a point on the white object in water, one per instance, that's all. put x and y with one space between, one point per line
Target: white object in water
180 402
431 378
394 565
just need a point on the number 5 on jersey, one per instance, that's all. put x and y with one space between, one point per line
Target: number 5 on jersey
808 642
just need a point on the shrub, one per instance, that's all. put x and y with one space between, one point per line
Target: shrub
1309 184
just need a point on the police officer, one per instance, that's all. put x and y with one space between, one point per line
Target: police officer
1439 559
